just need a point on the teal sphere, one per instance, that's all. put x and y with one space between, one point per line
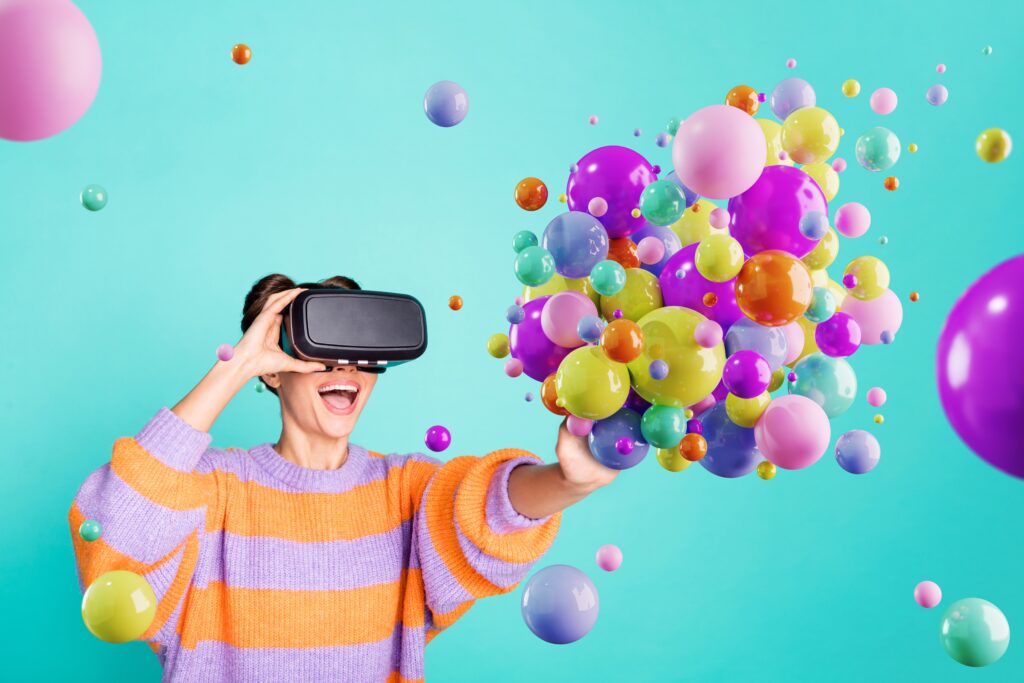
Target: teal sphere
974 632
90 530
663 426
662 202
94 197
878 149
823 305
608 278
259 387
829 382
534 266
523 239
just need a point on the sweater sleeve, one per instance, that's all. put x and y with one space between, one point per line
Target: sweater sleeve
470 541
150 503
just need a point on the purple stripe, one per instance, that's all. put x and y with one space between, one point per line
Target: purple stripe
442 590
173 441
133 524
501 516
212 661
498 572
266 562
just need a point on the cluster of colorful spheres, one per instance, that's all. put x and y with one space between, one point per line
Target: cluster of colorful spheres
713 332
972 631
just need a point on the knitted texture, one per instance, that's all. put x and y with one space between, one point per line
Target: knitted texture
268 571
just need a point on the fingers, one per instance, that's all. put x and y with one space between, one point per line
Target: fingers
277 302
304 366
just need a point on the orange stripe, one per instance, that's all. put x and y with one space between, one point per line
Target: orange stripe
431 632
413 600
156 481
260 617
445 619
97 557
440 519
182 578
524 545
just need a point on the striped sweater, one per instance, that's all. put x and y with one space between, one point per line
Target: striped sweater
268 571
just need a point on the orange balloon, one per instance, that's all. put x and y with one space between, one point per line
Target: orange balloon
622 340
710 299
241 54
743 97
693 447
531 194
455 302
548 395
622 250
774 288
892 183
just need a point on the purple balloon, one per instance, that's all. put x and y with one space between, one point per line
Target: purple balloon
789 95
768 215
528 343
618 175
617 441
980 367
770 342
839 336
636 402
747 374
690 289
667 236
732 450
560 604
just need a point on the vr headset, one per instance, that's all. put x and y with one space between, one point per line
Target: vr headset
339 327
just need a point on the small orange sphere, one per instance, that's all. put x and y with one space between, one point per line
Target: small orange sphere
743 97
710 299
455 302
531 194
693 447
892 183
914 296
774 288
622 250
549 395
241 54
696 207
622 340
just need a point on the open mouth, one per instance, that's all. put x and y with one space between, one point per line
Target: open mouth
339 396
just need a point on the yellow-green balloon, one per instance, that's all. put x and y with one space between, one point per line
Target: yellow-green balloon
557 284
825 176
746 411
695 223
590 385
694 371
824 253
497 345
118 606
640 295
872 277
671 459
719 257
773 137
810 135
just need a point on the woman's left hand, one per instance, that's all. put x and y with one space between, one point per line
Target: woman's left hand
579 467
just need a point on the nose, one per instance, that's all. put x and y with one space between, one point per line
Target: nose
345 368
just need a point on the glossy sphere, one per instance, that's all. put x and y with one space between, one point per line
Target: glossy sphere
514 314
617 441
793 432
608 278
619 176
225 352
974 632
531 194
671 459
549 396
839 336
455 302
883 101
241 54
766 470
747 374
827 176
90 530
446 104
871 277
825 253
774 288
746 411
560 604
768 215
663 426
118 606
878 149
980 368
523 239
744 98
829 382
789 95
622 340
773 143
438 438
497 345
693 447
534 266
993 145
891 183
719 257
810 135
528 342
770 342
851 88
94 197
857 451
576 241
937 95
927 594
590 385
625 252
732 450
609 557
853 219
662 202
718 152
640 295
823 306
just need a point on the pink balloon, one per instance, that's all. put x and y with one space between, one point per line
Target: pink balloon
794 342
883 101
513 367
719 151
793 432
703 404
839 164
609 557
876 397
852 219
579 426
884 313
650 250
49 67
719 218
707 334
561 315
927 594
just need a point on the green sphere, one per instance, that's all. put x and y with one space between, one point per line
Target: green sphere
974 632
608 278
673 125
662 202
534 266
663 426
94 197
823 305
829 382
878 149
90 530
523 239
259 387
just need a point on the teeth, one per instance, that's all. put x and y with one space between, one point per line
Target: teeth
337 387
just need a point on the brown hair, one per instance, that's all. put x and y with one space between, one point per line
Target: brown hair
271 284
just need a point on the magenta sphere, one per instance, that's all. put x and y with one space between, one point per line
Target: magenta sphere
528 343
839 336
438 438
618 175
609 557
694 426
624 445
682 285
927 594
768 215
747 374
225 352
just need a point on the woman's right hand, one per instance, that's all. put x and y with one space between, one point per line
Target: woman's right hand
259 350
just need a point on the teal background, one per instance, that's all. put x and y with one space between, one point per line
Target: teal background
316 159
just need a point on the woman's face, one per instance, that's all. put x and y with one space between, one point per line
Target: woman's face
327 403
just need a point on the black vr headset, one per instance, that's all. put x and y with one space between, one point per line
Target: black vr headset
370 330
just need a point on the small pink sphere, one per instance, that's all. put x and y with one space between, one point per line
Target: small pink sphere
609 557
225 352
839 164
707 334
560 317
579 426
650 250
852 219
790 63
876 396
941 68
927 594
593 120
883 101
719 218
703 404
597 207
513 367
519 301
782 155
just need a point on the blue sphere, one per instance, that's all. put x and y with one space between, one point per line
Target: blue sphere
813 225
623 424
446 104
560 604
577 241
589 328
746 335
732 450
515 314
857 451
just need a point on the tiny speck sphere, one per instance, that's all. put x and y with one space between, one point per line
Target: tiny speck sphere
766 469
876 397
637 132
879 419
658 369
635 213
593 120
609 557
260 388
455 302
940 68
94 197
617 313
662 139
528 397
515 314
597 207
90 530
927 594
937 95
790 63
791 377
225 352
656 168
839 165
912 148
573 168
987 50
624 445
438 438
719 218
849 281
562 198
914 296
883 240
513 367
783 156
241 54
886 337
694 426
892 183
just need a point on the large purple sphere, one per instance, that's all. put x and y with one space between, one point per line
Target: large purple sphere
980 366
689 290
527 342
560 604
768 215
839 336
617 175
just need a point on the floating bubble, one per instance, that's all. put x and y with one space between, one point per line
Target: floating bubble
829 382
523 239
993 145
927 594
974 632
446 104
560 604
118 606
936 95
438 438
851 87
241 53
455 302
617 441
744 98
94 197
878 149
883 101
514 314
531 194
497 344
609 557
876 397
534 266
857 451
90 530
225 352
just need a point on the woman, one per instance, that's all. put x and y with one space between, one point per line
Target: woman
312 558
